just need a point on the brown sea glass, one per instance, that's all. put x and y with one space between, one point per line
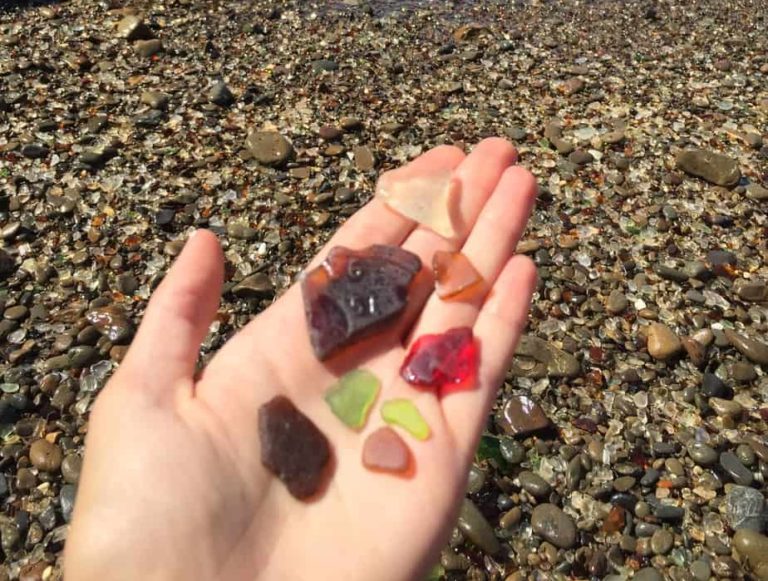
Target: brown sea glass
429 200
353 293
292 447
385 451
455 276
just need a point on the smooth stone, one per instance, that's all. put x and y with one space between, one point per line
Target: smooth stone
475 480
365 160
324 65
512 451
757 192
648 574
702 454
663 343
132 27
269 148
743 372
617 302
16 313
735 469
624 483
669 273
45 456
751 349
754 547
746 454
662 542
149 48
155 99
67 496
34 151
650 478
713 167
725 408
476 528
534 484
668 512
71 467
713 386
580 157
745 509
701 570
535 358
695 351
255 286
220 94
553 525
521 415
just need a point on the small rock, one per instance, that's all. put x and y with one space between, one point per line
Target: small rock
617 302
476 528
754 548
757 192
132 27
45 456
536 358
572 86
663 343
329 132
34 151
713 386
70 468
269 147
735 469
326 65
254 286
701 570
745 509
219 94
725 408
148 48
754 291
67 500
695 351
751 348
554 526
580 157
661 542
155 99
534 484
364 158
521 415
648 574
702 454
713 167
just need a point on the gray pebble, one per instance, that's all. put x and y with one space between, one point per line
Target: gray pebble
648 574
661 542
553 525
534 484
735 469
476 528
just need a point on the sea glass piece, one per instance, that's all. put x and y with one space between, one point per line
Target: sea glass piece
403 413
385 451
428 199
292 447
446 362
352 397
454 274
353 293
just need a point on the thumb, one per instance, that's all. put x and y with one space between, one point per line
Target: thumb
165 349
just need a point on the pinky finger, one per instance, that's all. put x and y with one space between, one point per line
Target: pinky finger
498 328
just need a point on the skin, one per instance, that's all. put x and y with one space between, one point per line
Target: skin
172 485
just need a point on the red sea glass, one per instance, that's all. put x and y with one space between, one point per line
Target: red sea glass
455 276
292 447
385 451
354 293
446 363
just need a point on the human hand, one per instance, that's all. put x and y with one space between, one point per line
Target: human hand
172 484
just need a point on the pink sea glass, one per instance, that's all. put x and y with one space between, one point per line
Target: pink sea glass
385 451
455 275
446 362
354 293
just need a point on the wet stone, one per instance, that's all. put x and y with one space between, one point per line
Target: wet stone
521 415
752 349
554 526
476 528
34 151
112 322
255 286
663 343
447 362
534 484
701 570
662 542
148 48
476 480
535 358
617 303
67 496
220 94
385 451
713 386
648 574
353 396
668 512
353 293
365 160
45 456
702 454
403 413
292 447
745 509
512 451
735 469
70 468
155 99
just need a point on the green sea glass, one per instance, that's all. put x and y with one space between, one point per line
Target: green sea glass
352 397
403 413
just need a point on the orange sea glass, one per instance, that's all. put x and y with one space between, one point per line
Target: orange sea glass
385 451
454 275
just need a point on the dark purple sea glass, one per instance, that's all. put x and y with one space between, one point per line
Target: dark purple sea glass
292 447
353 293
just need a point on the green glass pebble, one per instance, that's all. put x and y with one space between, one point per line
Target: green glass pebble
352 397
403 413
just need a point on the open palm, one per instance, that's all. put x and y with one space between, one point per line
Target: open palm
172 484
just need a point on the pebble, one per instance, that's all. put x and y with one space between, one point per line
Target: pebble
553 525
365 160
476 528
132 27
713 386
148 48
648 574
534 484
45 456
67 500
711 166
255 286
70 468
662 542
752 349
617 303
735 469
269 147
536 358
726 408
155 99
663 343
702 454
521 415
220 94
701 570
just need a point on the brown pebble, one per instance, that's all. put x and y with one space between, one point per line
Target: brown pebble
45 456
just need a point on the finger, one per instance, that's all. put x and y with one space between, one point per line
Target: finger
479 175
489 246
177 318
375 223
497 329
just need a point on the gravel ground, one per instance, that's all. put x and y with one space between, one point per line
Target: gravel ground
629 439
